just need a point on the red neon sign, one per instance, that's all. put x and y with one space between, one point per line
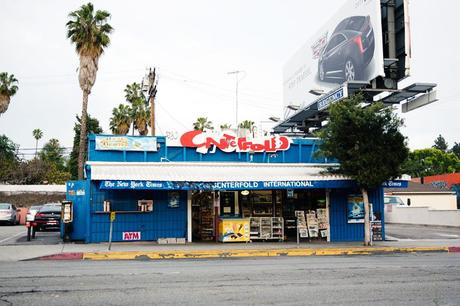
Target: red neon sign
229 143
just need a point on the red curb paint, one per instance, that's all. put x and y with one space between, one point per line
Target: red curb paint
63 256
454 249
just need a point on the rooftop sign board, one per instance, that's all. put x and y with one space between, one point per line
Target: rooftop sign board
349 47
125 143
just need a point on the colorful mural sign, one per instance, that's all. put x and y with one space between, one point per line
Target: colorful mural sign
208 142
126 143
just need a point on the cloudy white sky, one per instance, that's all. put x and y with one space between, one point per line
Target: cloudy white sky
194 44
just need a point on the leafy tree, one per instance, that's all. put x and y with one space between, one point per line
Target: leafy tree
120 120
440 143
456 149
38 134
202 124
8 88
53 154
93 127
432 161
367 143
89 31
8 158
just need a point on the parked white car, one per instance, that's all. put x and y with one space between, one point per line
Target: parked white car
8 213
394 200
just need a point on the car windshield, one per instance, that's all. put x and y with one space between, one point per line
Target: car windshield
35 208
5 206
48 209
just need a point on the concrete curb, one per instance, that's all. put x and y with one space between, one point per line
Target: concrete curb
238 253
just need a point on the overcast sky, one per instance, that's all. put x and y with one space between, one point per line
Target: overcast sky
194 44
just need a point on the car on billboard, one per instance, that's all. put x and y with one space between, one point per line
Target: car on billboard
348 51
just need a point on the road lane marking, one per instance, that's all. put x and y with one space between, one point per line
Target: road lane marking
6 239
447 235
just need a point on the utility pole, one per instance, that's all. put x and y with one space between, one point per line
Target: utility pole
236 73
150 85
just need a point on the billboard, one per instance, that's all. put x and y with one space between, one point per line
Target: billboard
349 47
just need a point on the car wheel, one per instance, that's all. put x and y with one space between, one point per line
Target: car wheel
350 71
321 72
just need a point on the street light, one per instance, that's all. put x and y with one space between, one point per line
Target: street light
236 73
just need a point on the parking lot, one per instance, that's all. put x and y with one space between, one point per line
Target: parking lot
17 235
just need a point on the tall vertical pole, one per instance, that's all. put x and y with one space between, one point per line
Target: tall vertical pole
152 92
237 79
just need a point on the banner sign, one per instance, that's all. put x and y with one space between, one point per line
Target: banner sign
396 184
348 47
126 143
229 141
162 185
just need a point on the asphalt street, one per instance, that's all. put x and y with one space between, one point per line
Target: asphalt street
409 279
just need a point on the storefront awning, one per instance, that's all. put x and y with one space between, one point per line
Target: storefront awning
210 172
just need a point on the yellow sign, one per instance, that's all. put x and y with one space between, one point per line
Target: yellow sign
112 216
234 230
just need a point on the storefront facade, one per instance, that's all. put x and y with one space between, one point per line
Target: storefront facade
217 188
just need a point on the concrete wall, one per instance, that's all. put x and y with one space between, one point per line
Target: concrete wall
433 201
421 215
12 189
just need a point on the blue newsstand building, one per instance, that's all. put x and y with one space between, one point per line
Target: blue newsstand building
179 191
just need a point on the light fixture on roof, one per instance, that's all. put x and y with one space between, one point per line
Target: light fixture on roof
316 92
293 107
274 119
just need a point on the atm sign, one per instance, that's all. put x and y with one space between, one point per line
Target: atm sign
131 235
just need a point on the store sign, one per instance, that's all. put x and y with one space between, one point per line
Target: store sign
131 236
332 97
396 184
229 142
260 185
126 143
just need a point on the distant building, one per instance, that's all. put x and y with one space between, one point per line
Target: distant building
449 181
425 195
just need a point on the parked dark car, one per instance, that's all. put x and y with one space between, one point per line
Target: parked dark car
48 217
348 51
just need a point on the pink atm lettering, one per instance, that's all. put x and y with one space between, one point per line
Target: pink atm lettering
131 235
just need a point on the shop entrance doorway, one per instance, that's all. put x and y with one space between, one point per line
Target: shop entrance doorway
306 209
203 216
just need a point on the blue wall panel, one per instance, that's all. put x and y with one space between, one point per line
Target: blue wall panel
162 222
341 230
76 192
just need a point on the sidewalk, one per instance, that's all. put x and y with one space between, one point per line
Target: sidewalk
152 250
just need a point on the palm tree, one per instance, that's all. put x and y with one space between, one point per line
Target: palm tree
89 31
38 134
140 115
225 126
247 124
120 121
202 123
8 88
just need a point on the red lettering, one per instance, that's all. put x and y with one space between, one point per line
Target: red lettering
187 139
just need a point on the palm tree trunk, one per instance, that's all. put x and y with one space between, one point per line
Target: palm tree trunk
82 145
367 229
36 147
